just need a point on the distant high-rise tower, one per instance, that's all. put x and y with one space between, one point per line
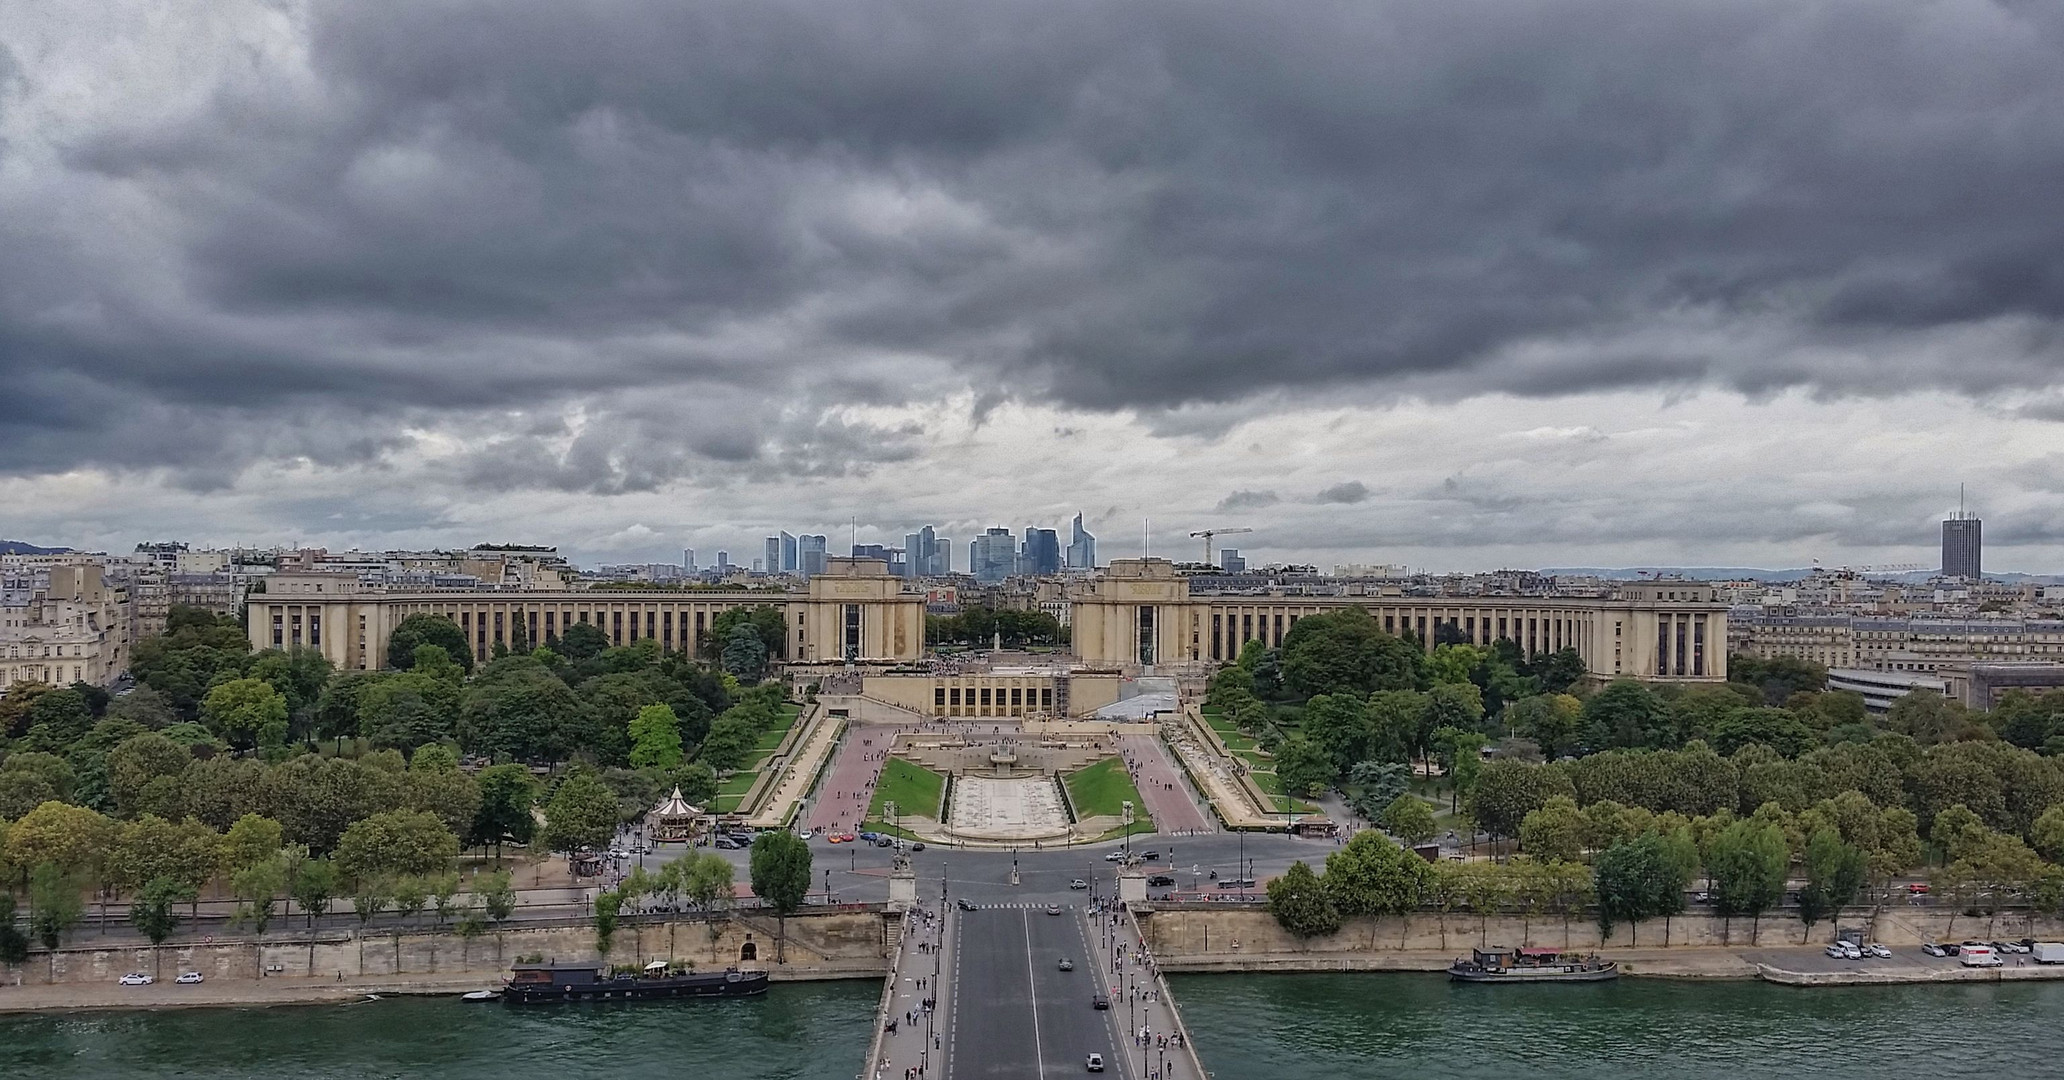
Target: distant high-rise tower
687 560
789 564
771 561
810 554
1081 547
1041 553
1229 561
992 556
723 562
1962 544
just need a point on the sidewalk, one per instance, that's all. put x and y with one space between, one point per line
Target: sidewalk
1157 1046
917 1048
800 771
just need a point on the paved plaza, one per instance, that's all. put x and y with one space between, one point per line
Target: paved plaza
1017 808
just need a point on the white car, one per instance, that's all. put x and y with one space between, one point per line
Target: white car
1852 951
1879 951
1096 1063
188 978
136 978
1836 952
1114 856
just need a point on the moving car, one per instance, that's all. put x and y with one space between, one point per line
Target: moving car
1096 1063
1078 883
1067 964
136 978
1099 1001
1114 856
1053 909
726 843
1150 855
917 845
884 841
1161 881
188 977
870 837
964 904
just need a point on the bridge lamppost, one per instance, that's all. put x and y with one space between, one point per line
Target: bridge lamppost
1125 840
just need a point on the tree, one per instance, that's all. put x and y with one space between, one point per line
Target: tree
1555 832
1553 721
1926 717
425 629
1347 652
1300 903
144 775
707 881
55 904
14 945
397 844
655 738
1506 791
247 712
497 896
1779 729
1835 871
767 622
745 654
405 710
314 883
582 813
1626 714
57 720
1636 880
1304 768
1372 876
256 884
1748 862
730 739
1958 831
1377 784
373 896
781 870
252 840
508 793
71 838
518 710
2046 836
1408 818
154 911
608 903
1339 725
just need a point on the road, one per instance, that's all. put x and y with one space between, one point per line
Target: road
1015 1014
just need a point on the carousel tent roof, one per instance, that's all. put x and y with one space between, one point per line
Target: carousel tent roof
676 807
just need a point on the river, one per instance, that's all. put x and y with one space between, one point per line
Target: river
1423 1027
798 1031
1248 1027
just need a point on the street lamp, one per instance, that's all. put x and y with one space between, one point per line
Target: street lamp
1125 840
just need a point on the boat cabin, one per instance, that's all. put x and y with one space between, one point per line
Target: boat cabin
577 974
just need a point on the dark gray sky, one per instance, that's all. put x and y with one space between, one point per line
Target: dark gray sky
1446 284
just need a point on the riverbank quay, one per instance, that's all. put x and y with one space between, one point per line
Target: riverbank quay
853 942
912 1000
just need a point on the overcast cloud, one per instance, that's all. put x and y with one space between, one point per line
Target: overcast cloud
1554 282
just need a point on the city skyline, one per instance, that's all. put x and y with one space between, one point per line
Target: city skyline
381 282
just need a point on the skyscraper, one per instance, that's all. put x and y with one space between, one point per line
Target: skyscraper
810 554
771 562
723 561
687 560
993 555
1229 560
1962 543
1041 553
1081 547
789 565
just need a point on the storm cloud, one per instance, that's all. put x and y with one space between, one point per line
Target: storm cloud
631 247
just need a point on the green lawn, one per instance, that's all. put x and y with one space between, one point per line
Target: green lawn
914 789
1103 788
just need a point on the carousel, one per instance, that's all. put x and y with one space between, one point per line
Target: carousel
675 820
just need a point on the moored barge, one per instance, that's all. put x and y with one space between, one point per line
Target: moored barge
1531 965
533 984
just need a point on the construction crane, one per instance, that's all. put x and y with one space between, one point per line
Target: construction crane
1207 534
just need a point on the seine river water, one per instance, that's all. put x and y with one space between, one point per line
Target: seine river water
1248 1027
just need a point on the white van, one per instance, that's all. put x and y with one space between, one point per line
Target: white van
1978 956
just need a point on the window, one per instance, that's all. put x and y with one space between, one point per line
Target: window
1017 698
315 630
1046 698
939 697
954 696
985 695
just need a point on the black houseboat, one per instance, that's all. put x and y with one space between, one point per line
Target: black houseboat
530 984
1531 965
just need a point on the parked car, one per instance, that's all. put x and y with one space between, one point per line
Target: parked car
1161 881
1096 1063
1078 883
1836 952
136 978
1933 949
1979 956
188 977
1852 950
1879 951
725 843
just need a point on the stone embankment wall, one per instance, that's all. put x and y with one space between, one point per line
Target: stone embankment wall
848 944
1194 937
